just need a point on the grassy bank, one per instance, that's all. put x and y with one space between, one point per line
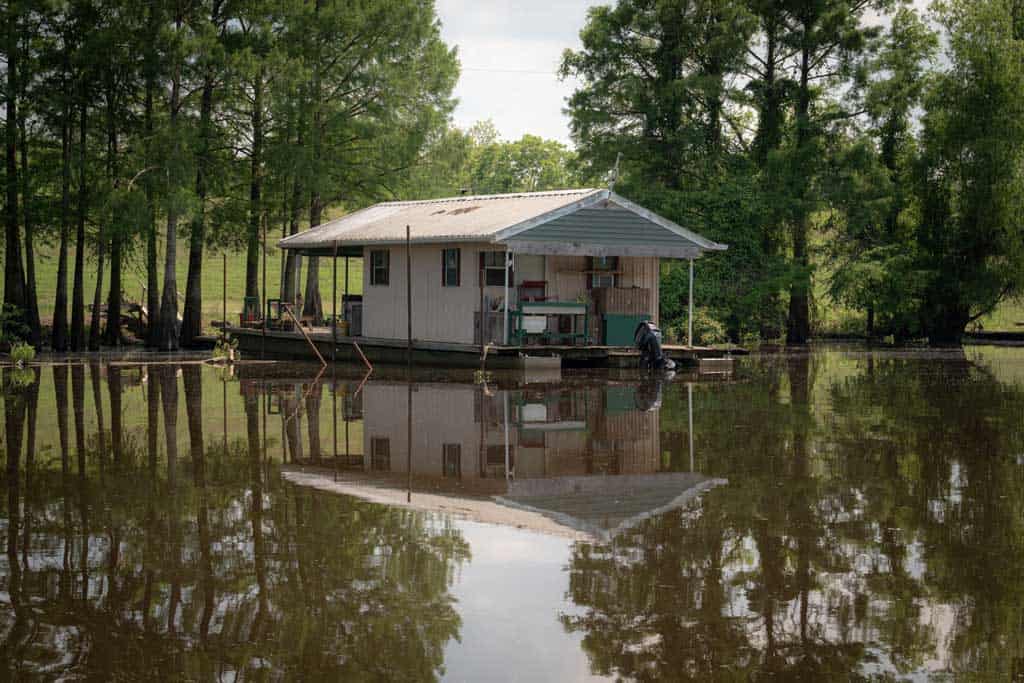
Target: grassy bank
134 279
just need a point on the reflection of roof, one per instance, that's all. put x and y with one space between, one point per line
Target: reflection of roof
595 507
605 506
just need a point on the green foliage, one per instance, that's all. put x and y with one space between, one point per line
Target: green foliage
226 348
22 353
970 174
12 324
479 162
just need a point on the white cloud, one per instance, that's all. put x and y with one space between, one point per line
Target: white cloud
510 52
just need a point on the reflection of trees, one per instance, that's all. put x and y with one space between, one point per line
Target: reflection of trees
864 510
218 573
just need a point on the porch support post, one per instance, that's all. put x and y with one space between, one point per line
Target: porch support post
508 259
408 303
334 315
344 299
689 317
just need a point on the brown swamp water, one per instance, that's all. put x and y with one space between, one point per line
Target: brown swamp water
856 515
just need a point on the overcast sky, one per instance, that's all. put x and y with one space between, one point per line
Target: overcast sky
510 51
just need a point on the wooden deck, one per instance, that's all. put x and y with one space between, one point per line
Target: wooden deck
254 343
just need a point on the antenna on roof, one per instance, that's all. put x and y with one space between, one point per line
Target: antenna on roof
614 173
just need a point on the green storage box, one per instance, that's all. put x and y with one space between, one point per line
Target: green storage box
618 328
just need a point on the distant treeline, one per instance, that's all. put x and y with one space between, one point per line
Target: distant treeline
209 121
856 137
852 144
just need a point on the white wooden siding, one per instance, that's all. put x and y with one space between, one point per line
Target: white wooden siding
447 314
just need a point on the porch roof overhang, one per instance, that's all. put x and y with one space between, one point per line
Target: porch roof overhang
571 223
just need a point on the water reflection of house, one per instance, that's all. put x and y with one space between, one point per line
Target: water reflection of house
469 432
586 457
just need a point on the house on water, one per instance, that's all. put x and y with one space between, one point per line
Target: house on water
567 273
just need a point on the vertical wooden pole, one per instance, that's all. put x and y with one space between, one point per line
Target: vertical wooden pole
483 315
689 316
344 299
334 416
408 361
224 294
408 297
505 335
334 306
263 291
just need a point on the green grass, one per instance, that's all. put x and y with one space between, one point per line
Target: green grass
1005 318
133 279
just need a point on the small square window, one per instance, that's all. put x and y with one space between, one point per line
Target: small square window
380 267
494 271
451 259
604 272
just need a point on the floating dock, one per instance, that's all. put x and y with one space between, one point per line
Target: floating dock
257 343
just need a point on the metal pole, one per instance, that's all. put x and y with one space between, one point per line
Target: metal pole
224 293
408 438
344 299
334 307
508 257
334 417
508 458
263 334
408 298
689 317
689 409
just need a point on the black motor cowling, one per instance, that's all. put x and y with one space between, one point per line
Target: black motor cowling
647 338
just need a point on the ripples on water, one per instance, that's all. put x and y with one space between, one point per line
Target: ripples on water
832 516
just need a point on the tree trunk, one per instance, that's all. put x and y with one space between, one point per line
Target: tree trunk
798 326
312 305
113 331
112 334
152 285
169 298
192 324
14 273
78 286
252 251
291 261
97 297
59 337
35 332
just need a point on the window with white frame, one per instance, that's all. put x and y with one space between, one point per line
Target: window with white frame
451 260
604 272
380 267
494 269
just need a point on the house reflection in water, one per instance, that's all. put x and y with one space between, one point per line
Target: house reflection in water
587 455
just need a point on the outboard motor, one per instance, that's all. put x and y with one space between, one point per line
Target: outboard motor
647 338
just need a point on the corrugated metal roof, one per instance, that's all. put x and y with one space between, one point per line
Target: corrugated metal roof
592 217
465 218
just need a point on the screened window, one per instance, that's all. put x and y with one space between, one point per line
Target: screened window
604 272
380 267
450 261
494 269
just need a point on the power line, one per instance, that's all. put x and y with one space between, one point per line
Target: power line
510 71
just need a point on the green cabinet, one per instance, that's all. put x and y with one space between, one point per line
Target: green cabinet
618 328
